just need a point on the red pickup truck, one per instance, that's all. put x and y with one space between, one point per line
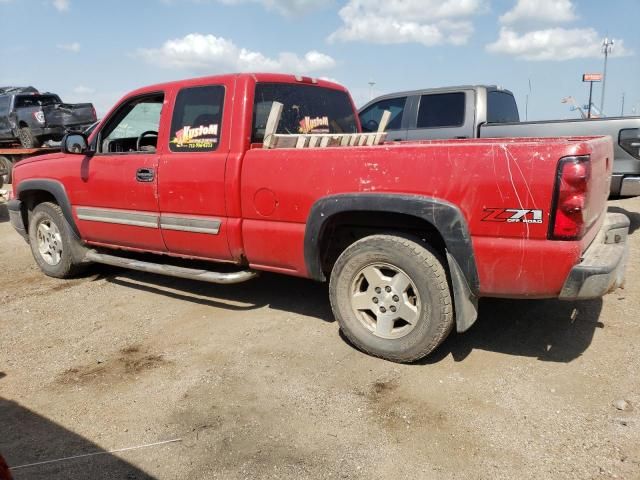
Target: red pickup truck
409 234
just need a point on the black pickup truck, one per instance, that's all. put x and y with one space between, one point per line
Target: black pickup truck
487 111
32 118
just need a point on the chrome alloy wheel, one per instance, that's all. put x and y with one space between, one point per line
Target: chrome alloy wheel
385 300
49 242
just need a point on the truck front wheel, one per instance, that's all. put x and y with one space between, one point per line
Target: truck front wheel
50 241
27 138
391 297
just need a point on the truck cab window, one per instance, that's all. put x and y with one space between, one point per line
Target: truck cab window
370 117
23 101
197 116
307 109
501 107
134 127
441 110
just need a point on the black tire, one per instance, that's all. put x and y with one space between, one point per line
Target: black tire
427 299
50 215
27 138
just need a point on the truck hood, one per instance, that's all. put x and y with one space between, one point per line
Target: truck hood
41 158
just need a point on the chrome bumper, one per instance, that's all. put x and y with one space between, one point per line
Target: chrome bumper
603 263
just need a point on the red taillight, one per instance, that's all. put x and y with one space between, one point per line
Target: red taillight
571 198
39 116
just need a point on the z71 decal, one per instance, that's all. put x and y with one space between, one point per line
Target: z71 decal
512 215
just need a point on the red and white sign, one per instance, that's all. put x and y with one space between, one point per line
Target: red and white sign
592 77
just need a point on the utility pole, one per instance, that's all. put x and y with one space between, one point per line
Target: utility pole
591 77
607 46
622 108
371 84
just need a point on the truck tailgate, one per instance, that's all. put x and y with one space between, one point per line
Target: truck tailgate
66 114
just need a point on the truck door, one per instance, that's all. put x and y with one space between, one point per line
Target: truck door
114 194
396 128
443 115
191 183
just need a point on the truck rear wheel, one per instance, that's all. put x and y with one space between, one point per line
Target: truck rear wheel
50 240
391 297
27 138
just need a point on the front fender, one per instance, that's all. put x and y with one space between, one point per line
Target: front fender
56 189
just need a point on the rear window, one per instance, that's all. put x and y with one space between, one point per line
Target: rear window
23 101
501 107
306 109
371 116
441 110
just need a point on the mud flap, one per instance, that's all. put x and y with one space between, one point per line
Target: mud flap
464 301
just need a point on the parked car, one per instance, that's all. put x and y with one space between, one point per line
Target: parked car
483 111
33 118
408 235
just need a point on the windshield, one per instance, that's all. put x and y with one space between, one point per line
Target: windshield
307 109
36 100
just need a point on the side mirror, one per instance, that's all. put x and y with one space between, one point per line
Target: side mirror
75 143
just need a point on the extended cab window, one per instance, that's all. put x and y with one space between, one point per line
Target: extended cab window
370 117
307 109
134 126
501 107
441 110
23 101
197 115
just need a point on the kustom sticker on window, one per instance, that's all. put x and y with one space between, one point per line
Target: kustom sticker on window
202 136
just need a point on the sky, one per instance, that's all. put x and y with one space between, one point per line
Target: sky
96 51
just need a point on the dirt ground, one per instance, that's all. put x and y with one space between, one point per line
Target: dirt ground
255 382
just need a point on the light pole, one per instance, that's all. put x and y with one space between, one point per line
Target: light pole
607 46
371 84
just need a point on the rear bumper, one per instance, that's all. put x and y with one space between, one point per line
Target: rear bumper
625 185
603 263
630 187
15 217
48 131
58 131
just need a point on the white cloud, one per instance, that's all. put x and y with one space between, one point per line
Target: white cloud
553 44
69 47
547 11
208 52
285 7
61 5
428 22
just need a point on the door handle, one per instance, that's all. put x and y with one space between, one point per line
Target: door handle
145 175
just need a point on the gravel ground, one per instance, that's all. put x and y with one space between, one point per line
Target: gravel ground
256 382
